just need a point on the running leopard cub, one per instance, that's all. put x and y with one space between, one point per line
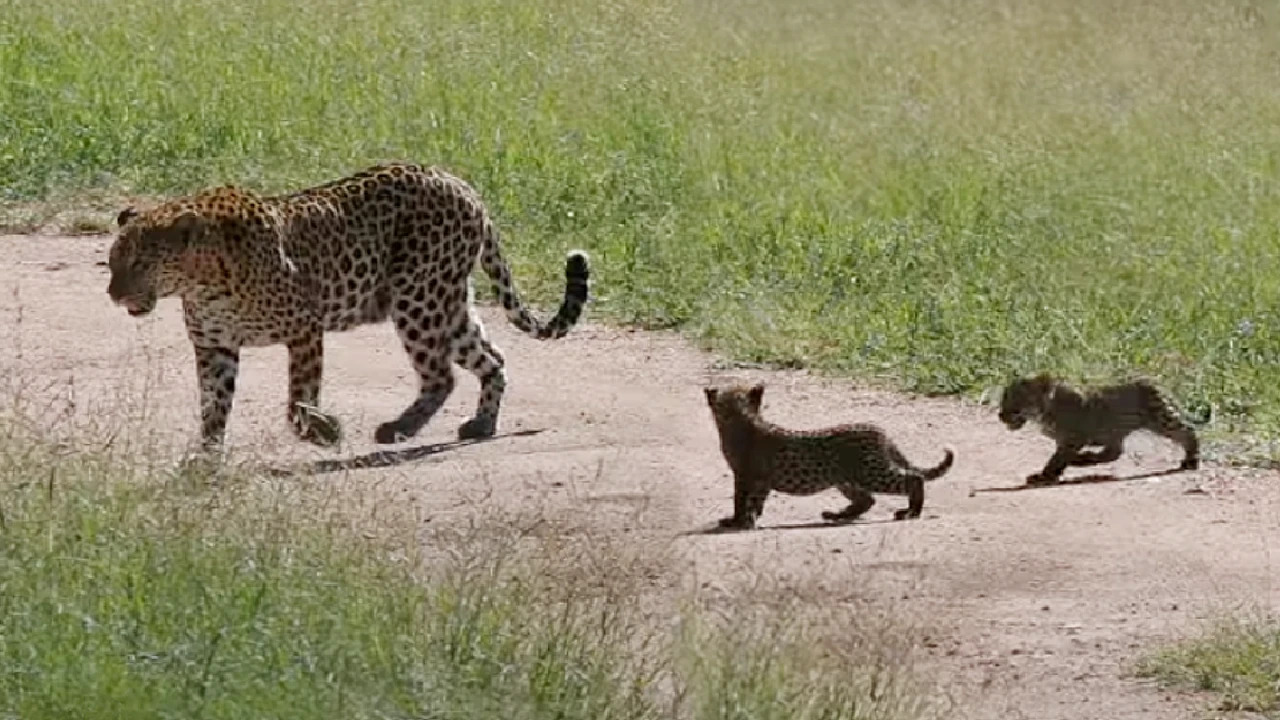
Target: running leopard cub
856 459
1102 417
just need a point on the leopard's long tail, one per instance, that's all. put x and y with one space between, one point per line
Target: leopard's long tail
577 274
941 468
932 473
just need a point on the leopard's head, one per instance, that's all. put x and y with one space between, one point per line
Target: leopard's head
735 401
1024 399
146 259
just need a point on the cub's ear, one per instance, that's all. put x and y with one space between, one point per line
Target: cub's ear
755 395
126 215
710 392
1043 379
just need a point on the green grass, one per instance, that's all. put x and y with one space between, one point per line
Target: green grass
933 195
134 593
1237 658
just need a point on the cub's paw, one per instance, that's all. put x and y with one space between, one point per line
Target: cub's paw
737 523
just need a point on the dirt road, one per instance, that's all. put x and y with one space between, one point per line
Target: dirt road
1037 600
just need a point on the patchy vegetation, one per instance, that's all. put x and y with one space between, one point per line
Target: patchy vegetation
932 195
1237 658
128 592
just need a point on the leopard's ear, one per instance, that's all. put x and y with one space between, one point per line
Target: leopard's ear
187 229
1043 379
126 215
756 395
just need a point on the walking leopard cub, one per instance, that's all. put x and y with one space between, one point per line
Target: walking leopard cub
856 459
396 241
1101 417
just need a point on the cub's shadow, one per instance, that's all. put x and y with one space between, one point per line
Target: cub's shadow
385 458
1092 479
715 529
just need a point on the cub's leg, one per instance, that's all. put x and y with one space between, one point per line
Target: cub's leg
860 501
891 473
1109 453
1052 471
913 484
473 351
1166 422
306 370
748 503
1181 433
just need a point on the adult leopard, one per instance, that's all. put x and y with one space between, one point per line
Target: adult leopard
395 241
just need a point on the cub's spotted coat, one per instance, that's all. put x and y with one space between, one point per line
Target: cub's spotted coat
856 459
1101 417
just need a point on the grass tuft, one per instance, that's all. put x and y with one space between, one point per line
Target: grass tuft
1237 658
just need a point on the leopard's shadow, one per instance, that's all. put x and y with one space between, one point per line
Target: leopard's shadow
1092 479
385 458
715 529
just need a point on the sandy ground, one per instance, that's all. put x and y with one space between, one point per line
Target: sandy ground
1037 600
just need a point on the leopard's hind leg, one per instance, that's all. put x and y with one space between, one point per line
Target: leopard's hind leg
913 485
427 343
472 350
1166 422
860 501
1182 434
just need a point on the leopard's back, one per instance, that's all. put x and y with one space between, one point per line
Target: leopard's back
1115 411
360 237
803 462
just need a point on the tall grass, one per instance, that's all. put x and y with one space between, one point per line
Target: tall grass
152 593
932 194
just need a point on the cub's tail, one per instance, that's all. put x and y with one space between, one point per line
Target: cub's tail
941 468
577 275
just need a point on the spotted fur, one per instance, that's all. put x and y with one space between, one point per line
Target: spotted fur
1101 417
856 459
396 241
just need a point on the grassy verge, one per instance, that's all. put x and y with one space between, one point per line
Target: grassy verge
1237 659
933 195
139 594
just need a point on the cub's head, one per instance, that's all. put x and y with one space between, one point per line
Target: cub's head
735 402
1024 399
146 259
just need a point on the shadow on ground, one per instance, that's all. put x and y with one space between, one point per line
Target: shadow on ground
1095 479
384 458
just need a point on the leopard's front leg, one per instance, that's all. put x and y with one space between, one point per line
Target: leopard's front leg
306 371
1062 457
747 504
216 369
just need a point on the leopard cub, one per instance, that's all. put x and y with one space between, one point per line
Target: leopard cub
856 459
1101 417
